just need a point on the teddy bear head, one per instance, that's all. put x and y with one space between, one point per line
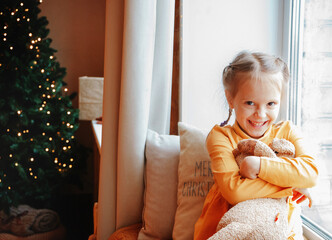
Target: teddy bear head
254 147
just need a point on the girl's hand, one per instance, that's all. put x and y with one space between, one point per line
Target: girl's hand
301 194
250 167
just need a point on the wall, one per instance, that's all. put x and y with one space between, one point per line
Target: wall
212 33
77 28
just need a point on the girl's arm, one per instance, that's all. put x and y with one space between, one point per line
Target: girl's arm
298 172
232 186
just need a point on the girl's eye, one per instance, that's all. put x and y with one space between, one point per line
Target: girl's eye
250 103
271 104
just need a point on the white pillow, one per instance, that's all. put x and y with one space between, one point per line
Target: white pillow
160 194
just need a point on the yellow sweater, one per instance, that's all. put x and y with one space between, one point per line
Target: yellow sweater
276 178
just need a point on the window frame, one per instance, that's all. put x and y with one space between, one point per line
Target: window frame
292 53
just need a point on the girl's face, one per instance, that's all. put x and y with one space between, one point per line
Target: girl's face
256 104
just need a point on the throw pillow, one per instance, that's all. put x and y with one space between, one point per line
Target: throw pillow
160 196
195 180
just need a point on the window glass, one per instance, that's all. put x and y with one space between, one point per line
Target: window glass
314 102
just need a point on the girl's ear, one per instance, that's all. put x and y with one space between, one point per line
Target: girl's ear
229 98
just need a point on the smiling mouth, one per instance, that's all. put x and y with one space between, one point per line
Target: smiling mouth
257 124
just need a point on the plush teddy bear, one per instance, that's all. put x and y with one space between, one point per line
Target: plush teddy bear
25 220
262 218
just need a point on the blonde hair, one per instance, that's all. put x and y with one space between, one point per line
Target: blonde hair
257 65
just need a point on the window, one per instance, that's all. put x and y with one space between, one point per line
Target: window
311 99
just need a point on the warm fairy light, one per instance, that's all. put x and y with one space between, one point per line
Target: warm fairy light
12 13
39 39
48 96
53 90
51 57
72 159
11 48
31 139
30 34
37 56
40 86
40 109
42 71
70 166
32 159
66 89
31 47
48 124
67 141
10 155
71 126
72 137
4 39
19 134
68 112
28 20
5 27
64 148
16 164
48 112
18 19
8 130
68 124
35 177
43 134
64 165
52 85
31 174
50 139
47 149
55 160
9 188
21 4
19 112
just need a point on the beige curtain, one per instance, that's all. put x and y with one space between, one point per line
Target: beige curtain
137 96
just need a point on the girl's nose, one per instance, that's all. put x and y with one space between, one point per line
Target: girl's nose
261 113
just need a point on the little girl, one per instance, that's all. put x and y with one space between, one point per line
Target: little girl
253 85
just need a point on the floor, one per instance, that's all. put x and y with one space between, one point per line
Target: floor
76 214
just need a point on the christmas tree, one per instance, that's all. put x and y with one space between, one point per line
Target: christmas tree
37 120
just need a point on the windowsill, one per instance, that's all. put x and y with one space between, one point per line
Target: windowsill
97 132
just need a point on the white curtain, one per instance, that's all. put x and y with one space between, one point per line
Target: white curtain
137 96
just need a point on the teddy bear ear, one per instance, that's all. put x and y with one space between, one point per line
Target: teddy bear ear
282 147
236 152
247 146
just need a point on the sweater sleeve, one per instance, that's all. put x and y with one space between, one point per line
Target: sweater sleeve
231 185
300 171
